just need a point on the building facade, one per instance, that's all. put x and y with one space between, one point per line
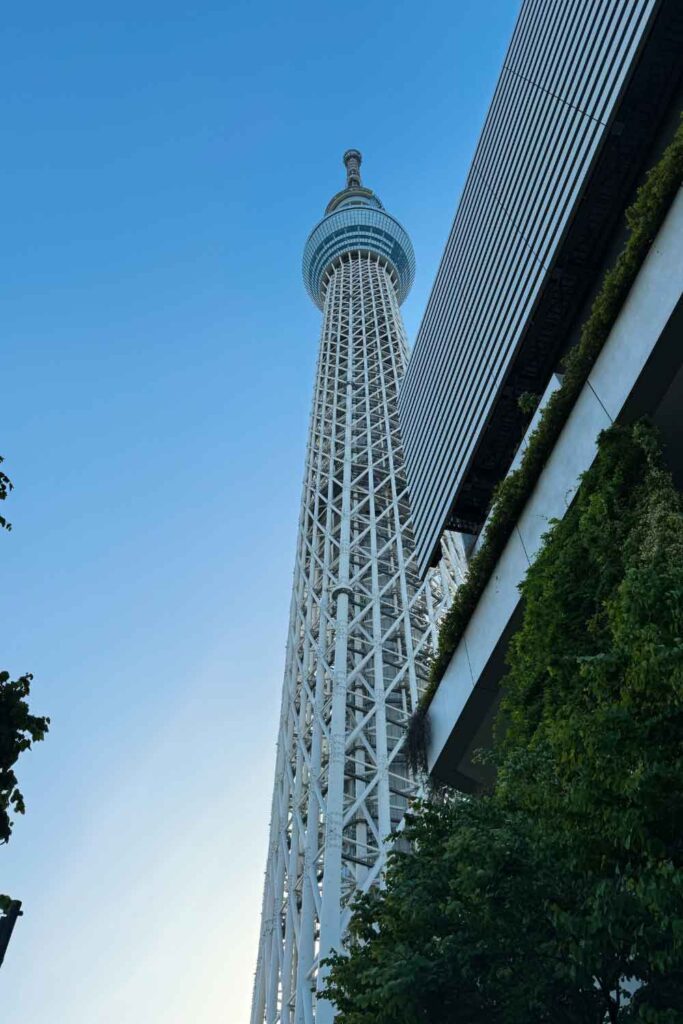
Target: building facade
580 99
589 97
361 620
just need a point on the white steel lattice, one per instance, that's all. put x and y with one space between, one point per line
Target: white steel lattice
360 627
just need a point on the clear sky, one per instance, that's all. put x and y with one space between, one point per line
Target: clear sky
162 166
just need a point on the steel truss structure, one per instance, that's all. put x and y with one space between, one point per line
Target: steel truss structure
361 624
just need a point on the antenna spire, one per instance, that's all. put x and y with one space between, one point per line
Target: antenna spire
352 162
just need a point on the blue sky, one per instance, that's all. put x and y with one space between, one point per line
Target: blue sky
163 164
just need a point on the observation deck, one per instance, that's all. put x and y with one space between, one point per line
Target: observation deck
356 221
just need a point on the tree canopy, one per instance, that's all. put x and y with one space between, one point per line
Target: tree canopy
18 729
558 896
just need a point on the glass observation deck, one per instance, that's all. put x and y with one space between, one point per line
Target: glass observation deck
355 221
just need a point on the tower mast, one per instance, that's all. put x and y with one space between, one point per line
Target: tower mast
361 622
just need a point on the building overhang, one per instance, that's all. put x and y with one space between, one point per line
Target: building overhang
624 154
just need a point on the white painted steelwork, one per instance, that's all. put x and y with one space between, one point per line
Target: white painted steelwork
360 628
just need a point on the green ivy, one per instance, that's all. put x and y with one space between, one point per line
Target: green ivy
644 219
528 403
558 897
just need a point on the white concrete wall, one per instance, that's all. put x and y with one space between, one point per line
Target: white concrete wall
632 341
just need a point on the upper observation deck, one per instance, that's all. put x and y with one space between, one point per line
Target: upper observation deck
356 221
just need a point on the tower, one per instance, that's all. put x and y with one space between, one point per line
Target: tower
361 622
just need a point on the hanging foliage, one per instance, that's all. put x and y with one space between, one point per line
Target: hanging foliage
644 218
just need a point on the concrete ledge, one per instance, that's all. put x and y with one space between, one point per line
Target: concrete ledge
638 371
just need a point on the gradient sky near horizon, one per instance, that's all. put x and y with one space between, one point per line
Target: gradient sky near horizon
163 164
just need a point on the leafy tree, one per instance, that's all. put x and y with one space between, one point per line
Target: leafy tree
5 488
18 729
464 929
559 896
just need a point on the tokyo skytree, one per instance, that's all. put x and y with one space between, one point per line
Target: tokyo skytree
361 621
